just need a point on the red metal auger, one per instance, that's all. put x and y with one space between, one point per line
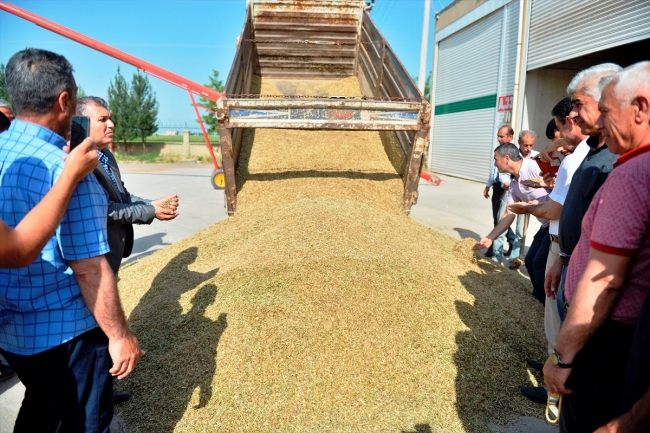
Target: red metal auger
217 178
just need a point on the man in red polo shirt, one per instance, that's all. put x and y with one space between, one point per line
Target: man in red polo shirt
607 278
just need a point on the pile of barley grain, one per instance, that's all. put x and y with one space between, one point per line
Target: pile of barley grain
320 306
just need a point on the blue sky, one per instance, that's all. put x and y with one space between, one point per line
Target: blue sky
187 37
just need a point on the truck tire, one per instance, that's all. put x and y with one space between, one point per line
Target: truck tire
218 179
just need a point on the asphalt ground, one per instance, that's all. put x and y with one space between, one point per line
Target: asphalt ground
456 207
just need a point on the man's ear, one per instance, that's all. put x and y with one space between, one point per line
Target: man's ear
642 105
64 102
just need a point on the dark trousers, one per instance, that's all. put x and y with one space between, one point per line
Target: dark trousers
536 262
597 379
637 374
497 192
68 383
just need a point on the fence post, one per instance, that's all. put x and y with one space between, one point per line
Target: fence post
186 144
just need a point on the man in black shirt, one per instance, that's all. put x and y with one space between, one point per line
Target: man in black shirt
582 408
587 179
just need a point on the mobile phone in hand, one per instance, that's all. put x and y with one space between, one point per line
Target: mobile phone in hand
79 130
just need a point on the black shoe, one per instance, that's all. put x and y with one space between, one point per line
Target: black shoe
509 251
538 366
538 394
121 396
489 253
6 372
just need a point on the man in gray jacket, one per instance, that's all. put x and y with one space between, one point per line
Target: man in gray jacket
124 209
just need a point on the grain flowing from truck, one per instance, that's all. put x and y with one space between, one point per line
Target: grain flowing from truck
320 306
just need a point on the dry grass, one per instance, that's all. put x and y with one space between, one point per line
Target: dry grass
321 307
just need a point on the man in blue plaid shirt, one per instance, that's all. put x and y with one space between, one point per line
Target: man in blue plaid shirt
62 327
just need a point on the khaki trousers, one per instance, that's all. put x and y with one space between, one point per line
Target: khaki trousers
551 316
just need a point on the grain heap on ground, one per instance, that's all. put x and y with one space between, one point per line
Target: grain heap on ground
320 306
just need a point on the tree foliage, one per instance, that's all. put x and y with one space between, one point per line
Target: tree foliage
80 92
210 119
134 107
119 103
3 84
142 101
427 86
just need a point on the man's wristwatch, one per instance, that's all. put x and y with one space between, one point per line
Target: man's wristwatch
558 362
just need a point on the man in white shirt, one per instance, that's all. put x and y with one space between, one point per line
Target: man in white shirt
574 146
526 142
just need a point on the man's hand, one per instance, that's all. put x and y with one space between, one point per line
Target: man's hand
82 160
125 353
552 280
556 377
166 207
549 179
486 192
520 208
483 243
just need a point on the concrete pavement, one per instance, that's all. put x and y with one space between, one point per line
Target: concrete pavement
456 207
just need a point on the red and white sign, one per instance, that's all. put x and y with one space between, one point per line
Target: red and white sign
505 103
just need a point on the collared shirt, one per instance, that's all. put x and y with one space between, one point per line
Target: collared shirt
563 181
41 305
103 160
496 177
532 154
618 222
586 181
518 192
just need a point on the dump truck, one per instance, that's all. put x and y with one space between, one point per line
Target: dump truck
320 40
299 40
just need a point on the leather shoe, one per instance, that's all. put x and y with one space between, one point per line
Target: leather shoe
538 394
489 252
121 396
537 366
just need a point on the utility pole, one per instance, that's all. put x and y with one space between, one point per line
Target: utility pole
422 77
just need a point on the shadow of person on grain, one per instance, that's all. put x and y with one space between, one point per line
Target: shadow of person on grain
505 327
464 233
419 428
180 348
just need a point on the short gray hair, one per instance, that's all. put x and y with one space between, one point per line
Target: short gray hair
82 104
35 79
526 132
508 149
588 79
627 82
5 104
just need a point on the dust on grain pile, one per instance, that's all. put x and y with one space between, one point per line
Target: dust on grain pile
320 306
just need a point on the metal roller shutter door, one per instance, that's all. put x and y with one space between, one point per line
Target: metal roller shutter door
583 27
466 88
509 65
467 149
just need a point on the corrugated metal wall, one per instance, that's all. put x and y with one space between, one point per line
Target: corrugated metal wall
561 30
468 68
468 61
462 144
508 66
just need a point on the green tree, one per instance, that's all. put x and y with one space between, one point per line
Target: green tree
145 108
3 85
119 102
80 92
427 86
210 119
